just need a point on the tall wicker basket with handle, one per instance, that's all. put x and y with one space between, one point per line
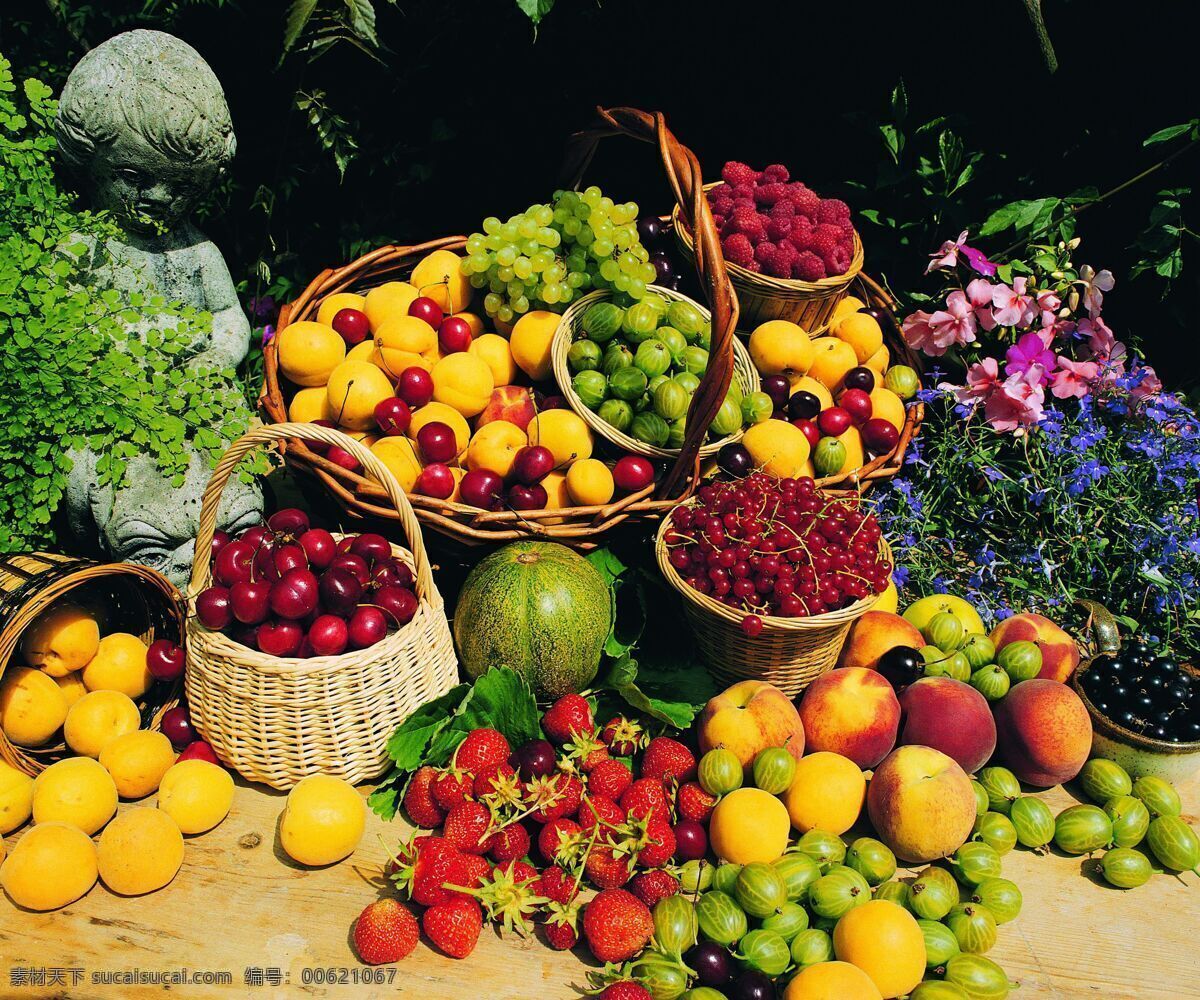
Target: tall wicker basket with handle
277 720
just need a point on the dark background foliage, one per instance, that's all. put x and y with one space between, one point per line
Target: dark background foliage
461 108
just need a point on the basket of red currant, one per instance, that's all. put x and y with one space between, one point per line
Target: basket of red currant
773 573
1145 709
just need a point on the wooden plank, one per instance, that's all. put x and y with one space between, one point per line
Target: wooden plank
239 905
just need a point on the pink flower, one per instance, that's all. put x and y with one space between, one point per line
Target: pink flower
935 333
1074 378
979 293
1095 284
982 378
1013 307
1150 385
947 256
1029 352
1049 304
916 330
1016 402
1103 346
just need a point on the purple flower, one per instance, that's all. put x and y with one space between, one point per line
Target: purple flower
268 334
264 307
979 263
1030 350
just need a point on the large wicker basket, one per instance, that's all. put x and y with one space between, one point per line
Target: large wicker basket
743 371
789 652
277 720
762 297
131 598
580 527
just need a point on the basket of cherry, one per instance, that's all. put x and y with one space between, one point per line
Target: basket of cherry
306 649
773 573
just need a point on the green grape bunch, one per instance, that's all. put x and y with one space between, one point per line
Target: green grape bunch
549 255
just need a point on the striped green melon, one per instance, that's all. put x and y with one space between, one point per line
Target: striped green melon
538 608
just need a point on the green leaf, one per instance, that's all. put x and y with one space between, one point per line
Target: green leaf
384 801
502 700
298 16
689 687
408 743
535 10
608 563
1170 132
899 102
362 20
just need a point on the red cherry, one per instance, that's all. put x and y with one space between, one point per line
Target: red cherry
199 750
435 480
328 635
437 442
289 521
220 540
351 325
320 447
234 563
164 660
752 625
250 600
691 842
213 608
879 436
553 403
454 335
353 562
257 536
393 416
244 634
415 386
525 496
372 547
392 572
532 463
339 590
177 726
293 596
319 546
279 638
632 473
423 307
366 627
398 603
858 404
811 431
834 421
482 488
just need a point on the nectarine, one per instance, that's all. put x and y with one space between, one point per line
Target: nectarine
748 717
1043 732
874 634
852 711
1060 653
921 804
949 716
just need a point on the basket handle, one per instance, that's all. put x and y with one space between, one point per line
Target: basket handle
687 184
373 467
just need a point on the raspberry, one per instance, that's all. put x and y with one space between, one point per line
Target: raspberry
750 227
776 172
652 886
783 210
721 208
808 267
769 194
838 260
778 228
805 199
743 192
779 262
738 250
721 190
833 210
609 778
738 173
763 250
801 234
754 266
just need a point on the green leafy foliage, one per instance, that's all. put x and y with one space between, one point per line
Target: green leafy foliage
69 376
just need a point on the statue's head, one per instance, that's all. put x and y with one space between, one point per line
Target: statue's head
143 120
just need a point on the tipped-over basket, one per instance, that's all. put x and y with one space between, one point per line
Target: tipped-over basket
789 652
744 373
276 719
126 598
762 297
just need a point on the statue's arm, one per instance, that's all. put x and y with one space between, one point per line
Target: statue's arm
230 339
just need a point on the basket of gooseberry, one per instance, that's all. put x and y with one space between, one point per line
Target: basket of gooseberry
773 572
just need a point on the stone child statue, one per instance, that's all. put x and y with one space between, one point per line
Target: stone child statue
143 123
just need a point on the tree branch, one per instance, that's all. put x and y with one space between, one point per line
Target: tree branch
1034 9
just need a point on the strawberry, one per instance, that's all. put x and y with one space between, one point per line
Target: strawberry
567 717
556 885
385 932
561 840
451 787
500 788
419 802
693 802
554 796
667 758
657 844
509 843
645 797
437 863
508 897
607 868
482 751
600 810
454 927
617 925
466 826
610 778
561 925
475 869
625 990
650 887
622 736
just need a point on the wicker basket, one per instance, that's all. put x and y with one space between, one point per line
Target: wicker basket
276 719
807 303
134 599
743 370
789 652
579 527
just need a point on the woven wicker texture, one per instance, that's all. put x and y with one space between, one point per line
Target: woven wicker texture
277 720
789 652
130 598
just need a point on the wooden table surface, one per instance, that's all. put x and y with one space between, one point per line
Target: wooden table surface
241 908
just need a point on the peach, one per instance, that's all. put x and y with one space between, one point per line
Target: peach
921 804
1060 654
880 361
852 711
1043 732
949 716
564 433
509 402
748 717
874 634
495 447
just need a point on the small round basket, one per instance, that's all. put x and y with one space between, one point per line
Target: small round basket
809 304
744 373
277 720
789 652
132 598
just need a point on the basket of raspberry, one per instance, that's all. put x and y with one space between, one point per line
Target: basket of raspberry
791 254
773 572
306 649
